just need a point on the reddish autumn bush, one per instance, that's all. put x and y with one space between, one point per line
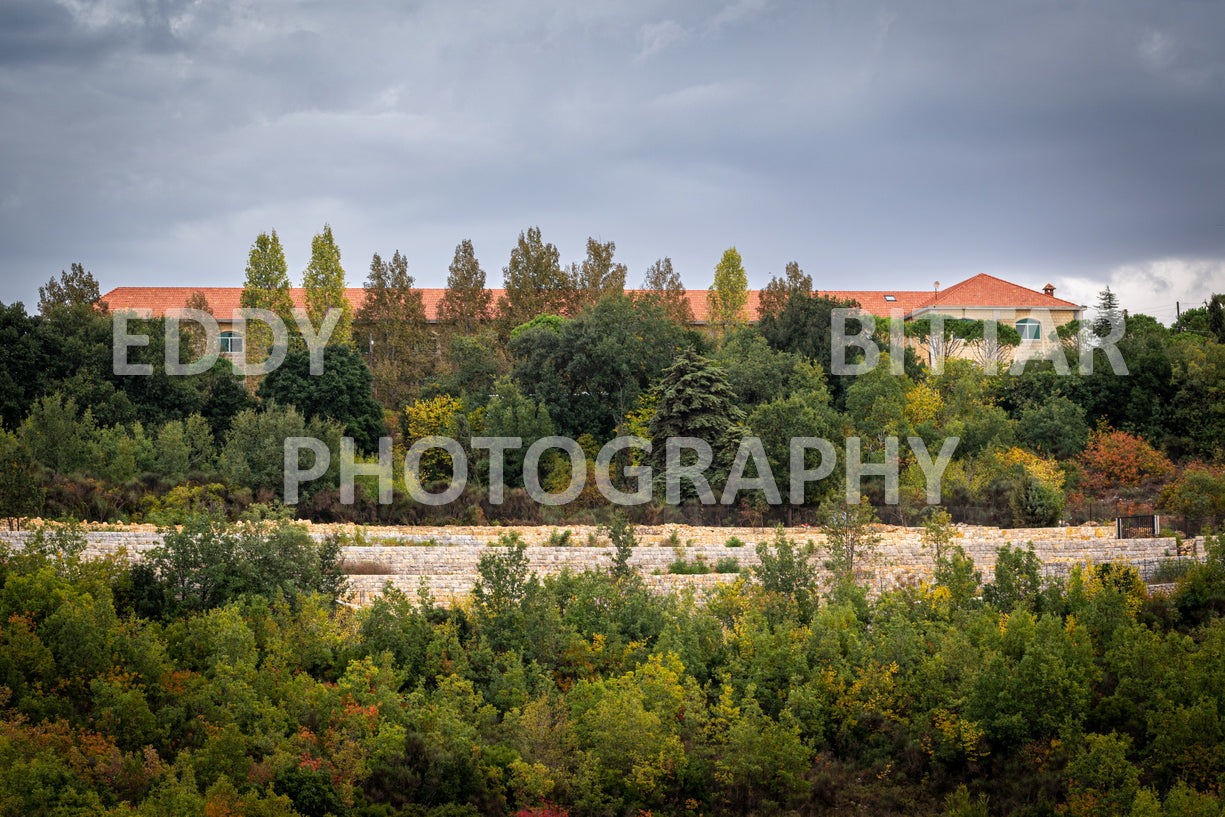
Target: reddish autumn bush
547 810
1116 460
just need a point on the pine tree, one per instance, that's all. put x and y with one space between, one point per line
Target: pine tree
695 400
466 305
399 345
266 287
324 282
729 294
1108 315
776 294
666 286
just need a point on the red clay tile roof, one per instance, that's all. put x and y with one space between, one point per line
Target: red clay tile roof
986 290
981 290
880 303
224 300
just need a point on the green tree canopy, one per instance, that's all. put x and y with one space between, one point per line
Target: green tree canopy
324 282
24 364
206 564
1056 428
780 289
805 326
266 287
73 289
590 370
511 413
599 275
729 294
467 304
663 284
695 400
534 281
1216 317
399 346
342 392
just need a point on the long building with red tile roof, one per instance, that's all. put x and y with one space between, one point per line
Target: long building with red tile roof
1035 314
980 292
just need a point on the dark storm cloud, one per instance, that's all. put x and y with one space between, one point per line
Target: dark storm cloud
880 144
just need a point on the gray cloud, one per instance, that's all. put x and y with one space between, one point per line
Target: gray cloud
880 144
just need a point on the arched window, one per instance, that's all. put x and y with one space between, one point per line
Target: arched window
1029 329
231 343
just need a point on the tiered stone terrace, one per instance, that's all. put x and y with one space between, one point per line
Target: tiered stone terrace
445 559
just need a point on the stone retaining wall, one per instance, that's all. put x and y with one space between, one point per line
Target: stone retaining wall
446 558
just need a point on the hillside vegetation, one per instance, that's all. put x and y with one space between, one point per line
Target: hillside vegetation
202 682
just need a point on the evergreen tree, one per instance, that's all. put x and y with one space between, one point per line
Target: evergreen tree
535 282
466 305
729 294
695 400
474 363
774 297
663 284
399 344
324 282
1216 317
1108 315
266 287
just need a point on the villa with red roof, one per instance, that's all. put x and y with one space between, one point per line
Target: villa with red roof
1035 314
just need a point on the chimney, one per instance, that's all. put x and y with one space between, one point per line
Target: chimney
1049 289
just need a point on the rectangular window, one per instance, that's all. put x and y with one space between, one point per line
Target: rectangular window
231 344
1029 329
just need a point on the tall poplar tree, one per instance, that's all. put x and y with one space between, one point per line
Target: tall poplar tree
266 287
662 283
729 294
466 305
397 339
535 282
324 282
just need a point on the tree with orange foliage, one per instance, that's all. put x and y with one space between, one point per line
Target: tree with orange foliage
1115 461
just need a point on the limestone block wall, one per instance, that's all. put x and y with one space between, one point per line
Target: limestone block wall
445 559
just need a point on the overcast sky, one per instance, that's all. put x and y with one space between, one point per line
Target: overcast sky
879 144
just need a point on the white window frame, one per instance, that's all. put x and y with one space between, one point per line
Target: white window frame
232 343
1029 329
